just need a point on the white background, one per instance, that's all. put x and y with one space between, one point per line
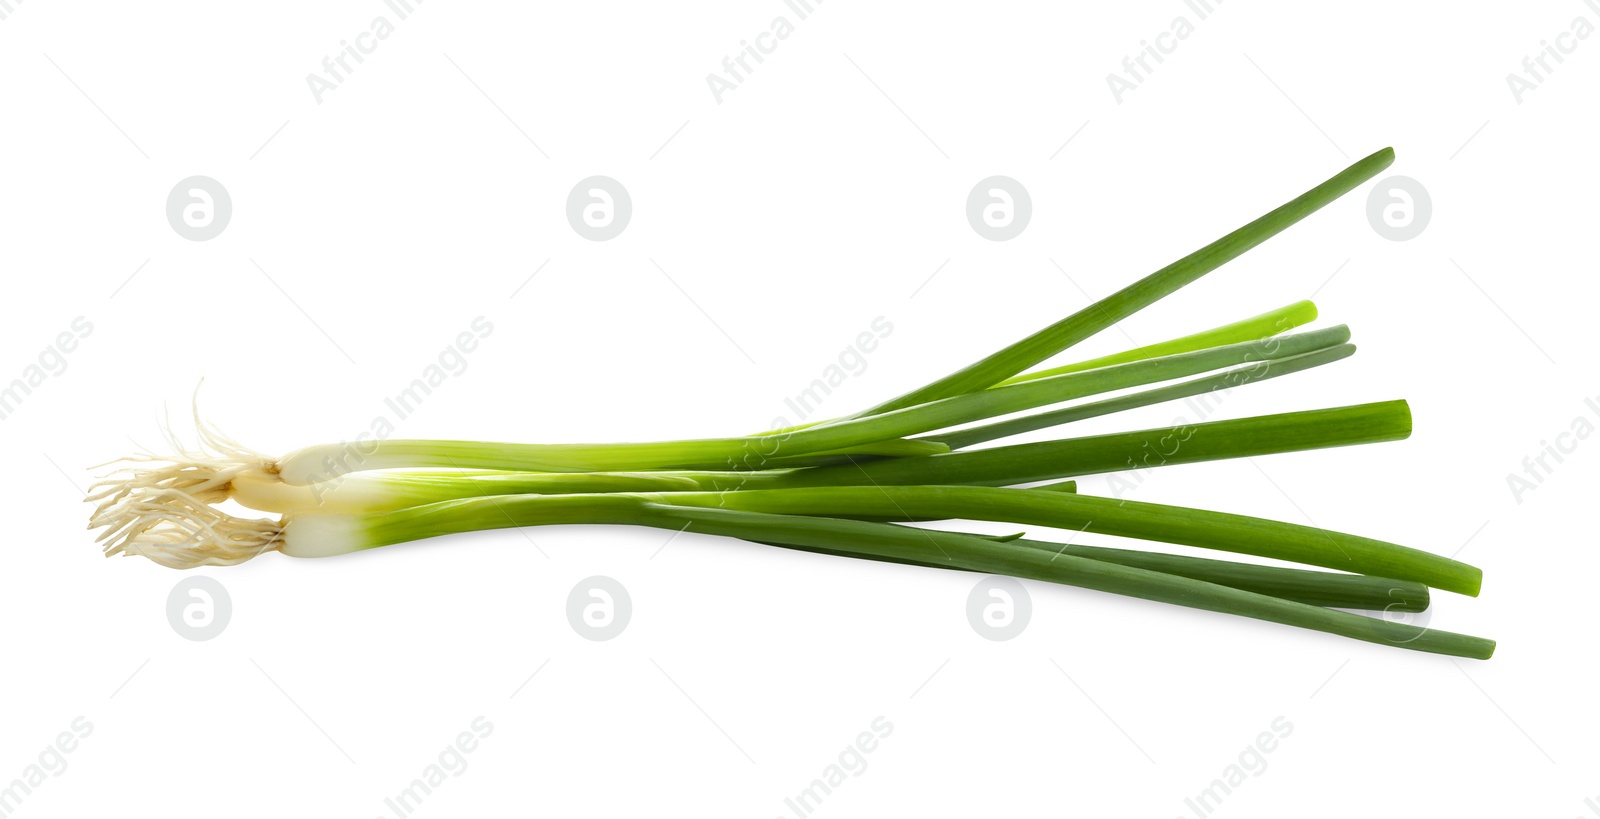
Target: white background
768 231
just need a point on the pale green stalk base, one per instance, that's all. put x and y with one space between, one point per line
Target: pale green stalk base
319 463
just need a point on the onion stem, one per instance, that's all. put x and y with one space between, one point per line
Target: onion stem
1114 452
1124 518
1317 588
1105 313
1220 382
1266 325
320 534
999 466
756 452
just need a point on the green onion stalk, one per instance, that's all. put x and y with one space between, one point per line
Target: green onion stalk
323 534
997 466
1318 588
150 490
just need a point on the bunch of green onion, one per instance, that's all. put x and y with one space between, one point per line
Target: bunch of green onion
850 486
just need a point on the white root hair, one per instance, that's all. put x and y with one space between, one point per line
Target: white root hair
174 529
164 507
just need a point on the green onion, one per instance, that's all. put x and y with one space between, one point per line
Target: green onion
849 486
